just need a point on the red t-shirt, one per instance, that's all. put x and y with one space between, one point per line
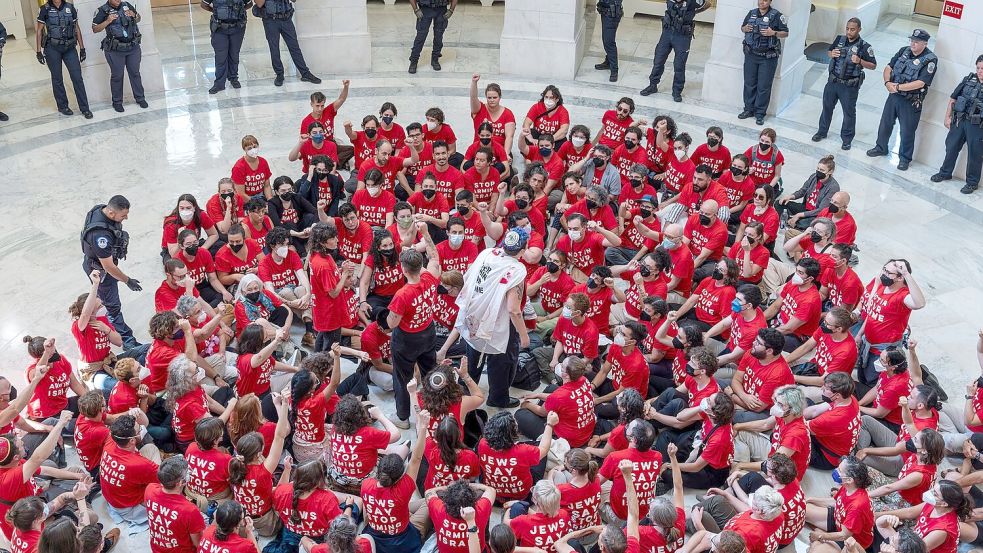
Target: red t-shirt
173 226
583 504
227 261
452 532
352 244
388 279
499 155
843 290
387 510
793 511
395 135
885 314
737 192
925 524
795 436
440 474
436 207
425 158
630 237
90 437
414 303
577 340
759 256
653 541
448 181
124 475
718 161
234 543
854 513
165 299
459 259
393 166
312 411
373 210
123 397
913 495
768 218
762 168
713 301
628 371
283 273
243 318
12 488
508 471
356 455
603 215
846 228
256 492
189 409
444 132
692 200
498 125
743 333
713 238
93 344
612 133
760 536
624 160
656 159
539 530
890 389
316 511
327 313
215 207
546 121
837 429
253 380
326 119
173 519
645 470
483 187
585 254
833 356
678 174
25 542
761 381
199 267
570 156
600 305
683 269
574 404
253 179
718 449
552 293
159 356
807 306
50 396
208 471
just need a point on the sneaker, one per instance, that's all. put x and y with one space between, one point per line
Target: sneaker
399 423
818 137
235 83
603 66
310 78
278 80
969 188
876 151
215 89
118 107
939 177
648 90
110 540
745 114
435 64
903 165
412 68
143 104
308 340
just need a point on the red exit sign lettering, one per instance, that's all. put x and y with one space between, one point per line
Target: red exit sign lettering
952 9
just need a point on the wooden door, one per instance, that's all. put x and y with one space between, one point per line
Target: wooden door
931 8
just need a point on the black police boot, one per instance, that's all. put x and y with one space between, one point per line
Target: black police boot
412 68
66 111
278 80
435 63
969 188
143 104
603 66
876 151
216 88
903 165
614 76
759 120
3 116
235 83
745 114
818 137
846 146
87 114
310 78
650 89
939 177
677 98
118 107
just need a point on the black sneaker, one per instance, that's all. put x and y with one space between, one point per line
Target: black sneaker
435 64
66 111
648 90
3 116
278 80
235 83
143 104
215 89
603 66
310 78
87 114
118 107
969 188
876 151
745 114
818 137
939 177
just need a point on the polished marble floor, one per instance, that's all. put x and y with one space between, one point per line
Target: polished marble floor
56 167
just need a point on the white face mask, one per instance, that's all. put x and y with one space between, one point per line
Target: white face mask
705 405
576 235
144 373
558 371
549 103
373 190
879 367
186 214
202 316
567 313
431 125
619 340
200 374
680 154
797 280
253 152
101 312
578 141
281 252
776 411
929 497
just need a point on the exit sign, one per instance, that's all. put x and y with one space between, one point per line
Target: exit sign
952 9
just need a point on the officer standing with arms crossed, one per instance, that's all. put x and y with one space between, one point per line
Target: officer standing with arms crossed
228 26
104 244
907 78
427 12
59 22
611 12
762 28
122 47
278 20
849 55
677 35
964 119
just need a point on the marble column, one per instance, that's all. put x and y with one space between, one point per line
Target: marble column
543 38
831 16
334 35
95 70
958 43
723 78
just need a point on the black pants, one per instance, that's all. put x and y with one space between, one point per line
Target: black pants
608 409
816 458
437 18
660 377
704 270
669 403
501 369
794 208
900 108
847 97
759 74
275 28
227 43
326 339
128 60
967 133
530 424
211 296
410 349
609 35
69 56
679 44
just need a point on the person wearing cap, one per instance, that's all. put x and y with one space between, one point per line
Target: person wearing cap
849 56
907 78
964 119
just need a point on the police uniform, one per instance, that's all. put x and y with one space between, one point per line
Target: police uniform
278 21
611 12
843 86
761 60
3 40
228 26
58 45
429 12
906 106
966 127
677 34
122 49
102 237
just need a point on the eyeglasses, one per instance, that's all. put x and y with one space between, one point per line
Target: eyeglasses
760 197
624 110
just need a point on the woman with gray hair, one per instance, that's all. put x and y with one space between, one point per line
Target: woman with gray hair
784 431
760 525
211 338
541 523
254 304
188 402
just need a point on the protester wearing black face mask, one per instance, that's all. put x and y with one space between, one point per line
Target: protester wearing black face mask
289 210
687 338
814 196
320 184
739 187
713 154
238 257
601 169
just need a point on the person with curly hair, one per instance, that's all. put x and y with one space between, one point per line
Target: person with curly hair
440 393
508 466
251 472
447 505
311 402
232 531
356 444
305 506
332 280
188 402
169 341
342 537
631 406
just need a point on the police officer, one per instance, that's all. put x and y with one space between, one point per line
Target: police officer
762 28
122 47
677 34
964 119
907 78
104 244
611 12
278 21
228 26
57 33
3 40
849 55
427 12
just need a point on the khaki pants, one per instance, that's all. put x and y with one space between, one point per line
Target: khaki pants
267 525
151 452
420 516
291 294
751 446
774 276
202 501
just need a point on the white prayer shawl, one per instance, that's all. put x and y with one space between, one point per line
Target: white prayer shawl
483 320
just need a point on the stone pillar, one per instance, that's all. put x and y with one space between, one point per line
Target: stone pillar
723 78
95 70
831 16
958 43
543 38
334 35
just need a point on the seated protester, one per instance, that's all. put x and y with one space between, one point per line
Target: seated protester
760 209
404 230
572 401
551 284
390 168
91 430
688 336
456 253
168 333
846 225
649 279
354 234
679 408
596 207
201 269
485 139
373 203
424 152
683 269
288 210
482 179
50 396
713 153
526 200
225 206
445 315
750 254
331 286
449 459
208 465
767 160
760 372
364 141
251 173
256 304
834 426
247 416
815 242
761 525
210 334
574 334
186 215
259 371
916 476
508 467
383 275
576 149
665 525
585 244
232 530
125 472
714 445
706 237
282 272
624 367
12 407
680 168
883 401
95 337
322 186
465 208
446 507
237 258
783 432
631 406
310 402
885 307
937 520
659 146
175 285
713 297
743 324
306 506
176 524
596 169
251 473
541 522
799 307
441 396
580 492
848 514
739 187
639 229
815 195
841 287
188 402
832 348
313 141
615 122
628 154
28 514
602 293
645 465
448 177
700 189
428 205
435 129
543 151
548 116
356 444
342 535
879 448
393 518
257 223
